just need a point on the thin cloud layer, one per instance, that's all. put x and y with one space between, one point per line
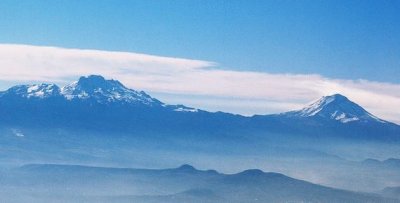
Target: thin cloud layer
194 82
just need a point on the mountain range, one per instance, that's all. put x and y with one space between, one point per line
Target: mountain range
96 103
95 121
74 183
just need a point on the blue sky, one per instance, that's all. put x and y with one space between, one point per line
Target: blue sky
337 39
246 57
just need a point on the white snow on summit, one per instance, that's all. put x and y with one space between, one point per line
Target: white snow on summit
315 107
93 89
336 107
35 91
104 91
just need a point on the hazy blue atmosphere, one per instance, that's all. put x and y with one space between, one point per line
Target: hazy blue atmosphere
200 101
96 131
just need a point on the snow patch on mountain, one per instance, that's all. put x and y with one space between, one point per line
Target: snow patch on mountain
344 118
185 109
42 90
35 91
315 107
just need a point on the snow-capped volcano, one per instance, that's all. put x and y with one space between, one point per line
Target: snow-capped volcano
335 107
104 91
92 89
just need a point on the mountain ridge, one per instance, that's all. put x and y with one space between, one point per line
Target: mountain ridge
107 105
39 124
96 86
189 185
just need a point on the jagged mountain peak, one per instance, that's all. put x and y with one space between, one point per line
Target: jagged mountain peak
92 89
87 85
93 82
97 88
335 107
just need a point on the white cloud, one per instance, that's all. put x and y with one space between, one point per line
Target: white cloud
194 82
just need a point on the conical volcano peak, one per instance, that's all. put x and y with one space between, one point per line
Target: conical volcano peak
335 99
337 96
336 107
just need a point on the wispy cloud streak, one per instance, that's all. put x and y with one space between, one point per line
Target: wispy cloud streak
194 82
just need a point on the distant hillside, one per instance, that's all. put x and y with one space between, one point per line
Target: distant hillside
71 183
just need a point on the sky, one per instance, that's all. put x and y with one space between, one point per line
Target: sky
247 57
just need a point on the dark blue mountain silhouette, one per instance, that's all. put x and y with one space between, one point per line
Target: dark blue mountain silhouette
183 184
